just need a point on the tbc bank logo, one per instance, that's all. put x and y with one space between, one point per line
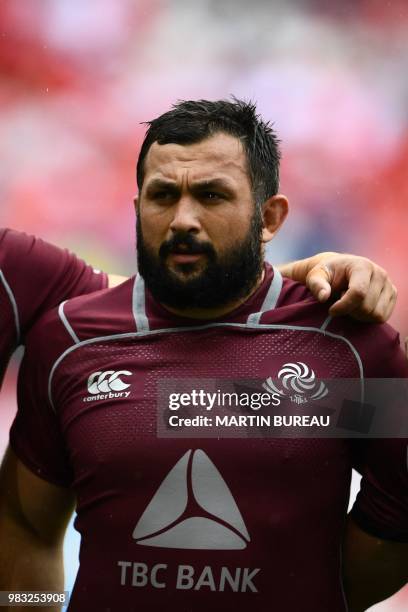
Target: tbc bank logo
103 382
207 518
301 380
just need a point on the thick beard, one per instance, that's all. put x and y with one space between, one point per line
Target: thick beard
225 279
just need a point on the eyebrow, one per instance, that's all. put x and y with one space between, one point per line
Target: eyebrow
217 183
158 183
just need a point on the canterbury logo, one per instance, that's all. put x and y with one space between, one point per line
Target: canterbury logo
299 379
103 382
193 509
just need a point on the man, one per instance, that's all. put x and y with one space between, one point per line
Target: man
36 276
191 524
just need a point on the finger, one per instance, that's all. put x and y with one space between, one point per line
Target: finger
374 316
385 304
318 282
383 309
393 301
375 292
354 296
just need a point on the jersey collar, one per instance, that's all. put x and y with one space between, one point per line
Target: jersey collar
149 314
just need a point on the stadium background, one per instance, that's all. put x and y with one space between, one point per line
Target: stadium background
78 78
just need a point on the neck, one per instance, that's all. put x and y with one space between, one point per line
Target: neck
214 313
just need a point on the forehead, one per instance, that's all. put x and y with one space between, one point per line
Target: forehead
222 154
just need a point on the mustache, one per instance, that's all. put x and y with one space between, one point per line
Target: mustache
190 246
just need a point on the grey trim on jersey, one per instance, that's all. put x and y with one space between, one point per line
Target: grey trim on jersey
201 327
139 305
326 323
13 303
66 323
271 298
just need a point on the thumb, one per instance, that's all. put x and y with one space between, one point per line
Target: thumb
318 282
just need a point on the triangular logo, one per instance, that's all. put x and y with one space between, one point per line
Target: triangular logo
193 508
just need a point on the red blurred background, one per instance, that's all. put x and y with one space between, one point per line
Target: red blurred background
78 78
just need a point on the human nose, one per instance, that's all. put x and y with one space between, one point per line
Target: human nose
186 216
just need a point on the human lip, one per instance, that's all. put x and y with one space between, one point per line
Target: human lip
185 257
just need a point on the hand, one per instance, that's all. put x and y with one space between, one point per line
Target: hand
367 293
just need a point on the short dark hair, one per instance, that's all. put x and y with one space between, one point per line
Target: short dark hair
190 121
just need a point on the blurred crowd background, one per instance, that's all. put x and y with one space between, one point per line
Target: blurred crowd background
78 78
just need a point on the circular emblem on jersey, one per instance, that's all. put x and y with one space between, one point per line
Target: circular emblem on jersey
297 377
299 382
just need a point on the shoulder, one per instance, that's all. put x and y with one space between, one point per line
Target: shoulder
297 306
100 314
293 292
20 251
69 333
377 344
14 241
46 340
104 313
39 275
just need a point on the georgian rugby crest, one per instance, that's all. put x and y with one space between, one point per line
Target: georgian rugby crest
298 382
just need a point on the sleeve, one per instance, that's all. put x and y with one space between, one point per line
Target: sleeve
40 276
9 330
381 507
36 434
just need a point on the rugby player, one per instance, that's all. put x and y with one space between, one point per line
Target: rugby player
188 524
36 276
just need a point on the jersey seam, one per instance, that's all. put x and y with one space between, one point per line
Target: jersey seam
326 323
33 466
13 304
259 326
139 304
271 298
66 323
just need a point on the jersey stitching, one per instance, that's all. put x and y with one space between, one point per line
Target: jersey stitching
138 305
13 303
271 298
326 323
82 343
66 323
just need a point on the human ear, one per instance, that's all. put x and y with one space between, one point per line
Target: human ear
274 212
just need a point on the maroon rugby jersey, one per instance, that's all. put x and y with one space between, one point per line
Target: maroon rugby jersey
34 277
198 524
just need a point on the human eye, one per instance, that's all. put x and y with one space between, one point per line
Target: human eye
162 195
212 196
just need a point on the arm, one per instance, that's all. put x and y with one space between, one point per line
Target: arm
374 569
375 559
369 295
33 518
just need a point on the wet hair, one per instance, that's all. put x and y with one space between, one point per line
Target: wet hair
191 121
